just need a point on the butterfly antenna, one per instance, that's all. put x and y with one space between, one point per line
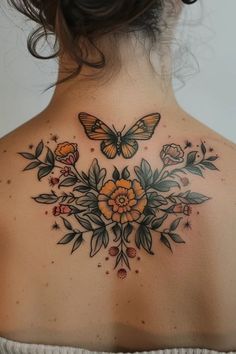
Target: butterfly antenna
114 128
123 128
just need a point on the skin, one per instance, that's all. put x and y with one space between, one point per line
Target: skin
191 297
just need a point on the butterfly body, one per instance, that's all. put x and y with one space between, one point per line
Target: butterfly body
116 142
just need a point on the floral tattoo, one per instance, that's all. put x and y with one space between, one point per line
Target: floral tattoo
95 206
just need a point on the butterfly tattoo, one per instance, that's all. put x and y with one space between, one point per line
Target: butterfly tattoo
115 142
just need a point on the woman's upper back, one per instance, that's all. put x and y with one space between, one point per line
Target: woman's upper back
118 254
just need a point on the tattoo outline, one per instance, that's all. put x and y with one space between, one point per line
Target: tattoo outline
122 204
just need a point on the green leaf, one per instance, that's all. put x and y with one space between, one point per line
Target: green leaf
212 158
165 241
101 178
97 240
67 182
147 219
196 198
143 238
125 173
147 171
155 200
82 189
77 242
155 175
127 231
156 223
39 149
116 174
27 155
176 238
67 238
117 231
50 157
191 157
46 198
209 165
95 219
203 148
67 224
149 211
194 170
165 186
105 238
89 200
175 224
32 165
44 171
84 222
96 175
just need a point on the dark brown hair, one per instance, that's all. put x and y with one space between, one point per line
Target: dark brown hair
74 22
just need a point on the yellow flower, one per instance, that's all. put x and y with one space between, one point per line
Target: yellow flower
67 153
122 201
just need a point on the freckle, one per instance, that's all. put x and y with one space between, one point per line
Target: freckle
92 149
50 133
74 137
145 148
46 212
197 145
10 196
8 181
117 304
0 181
143 321
52 172
169 136
46 285
175 327
55 319
52 262
183 119
99 265
4 150
107 272
47 142
88 303
222 179
17 302
137 271
106 258
164 126
198 155
198 213
129 301
138 258
115 338
14 218
48 121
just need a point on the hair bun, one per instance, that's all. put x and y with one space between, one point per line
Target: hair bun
102 15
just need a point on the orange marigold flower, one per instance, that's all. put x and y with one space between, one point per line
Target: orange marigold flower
122 200
67 153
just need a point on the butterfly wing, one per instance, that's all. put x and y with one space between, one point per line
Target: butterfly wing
144 128
109 148
128 147
94 128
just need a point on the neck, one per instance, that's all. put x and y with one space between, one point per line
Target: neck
136 89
